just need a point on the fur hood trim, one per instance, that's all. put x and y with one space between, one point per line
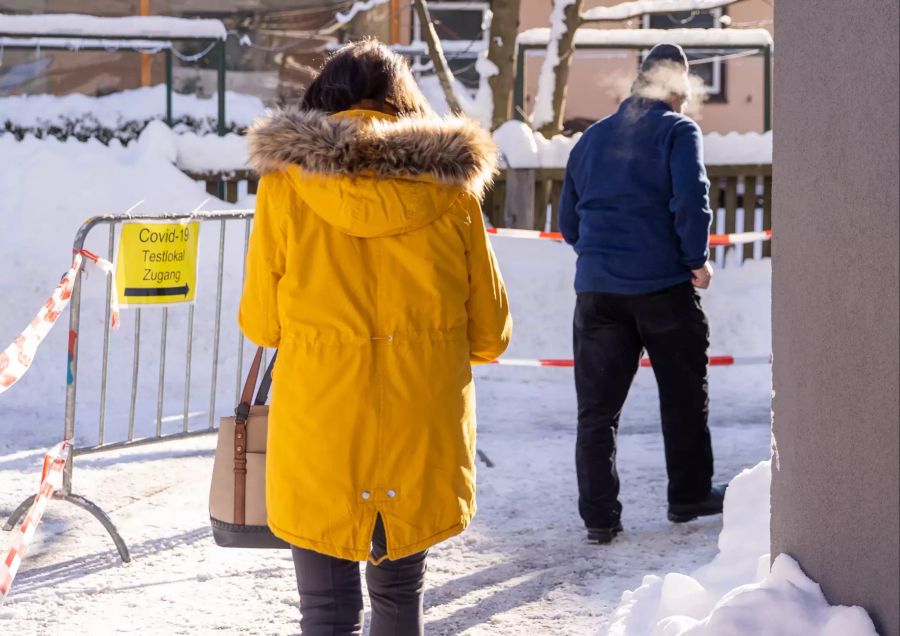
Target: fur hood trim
454 150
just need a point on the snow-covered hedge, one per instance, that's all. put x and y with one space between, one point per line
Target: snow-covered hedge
120 116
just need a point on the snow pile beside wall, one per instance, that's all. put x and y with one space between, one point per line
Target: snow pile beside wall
120 115
736 594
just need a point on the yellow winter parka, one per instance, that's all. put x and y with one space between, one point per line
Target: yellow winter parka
370 269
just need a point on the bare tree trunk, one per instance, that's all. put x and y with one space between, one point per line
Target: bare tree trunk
565 48
436 53
502 52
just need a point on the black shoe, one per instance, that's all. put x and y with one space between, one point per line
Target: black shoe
604 535
712 505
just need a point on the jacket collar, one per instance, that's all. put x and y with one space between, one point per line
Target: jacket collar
643 103
453 151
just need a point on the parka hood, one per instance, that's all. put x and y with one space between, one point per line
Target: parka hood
370 174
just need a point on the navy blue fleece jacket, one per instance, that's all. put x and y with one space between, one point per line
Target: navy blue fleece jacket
635 203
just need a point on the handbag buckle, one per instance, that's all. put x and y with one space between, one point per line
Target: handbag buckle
242 412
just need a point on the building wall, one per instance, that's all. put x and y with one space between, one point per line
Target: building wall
835 307
601 79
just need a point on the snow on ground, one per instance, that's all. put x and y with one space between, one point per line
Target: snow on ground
736 593
522 568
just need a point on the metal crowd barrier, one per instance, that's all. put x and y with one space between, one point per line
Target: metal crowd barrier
222 219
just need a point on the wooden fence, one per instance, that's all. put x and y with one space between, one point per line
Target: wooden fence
523 198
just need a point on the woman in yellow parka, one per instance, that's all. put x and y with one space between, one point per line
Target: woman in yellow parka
370 270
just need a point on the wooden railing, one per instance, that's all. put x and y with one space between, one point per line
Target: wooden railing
229 182
524 198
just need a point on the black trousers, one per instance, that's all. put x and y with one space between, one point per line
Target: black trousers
331 602
610 332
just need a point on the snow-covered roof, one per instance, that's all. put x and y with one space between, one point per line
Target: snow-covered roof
75 44
646 38
627 10
135 27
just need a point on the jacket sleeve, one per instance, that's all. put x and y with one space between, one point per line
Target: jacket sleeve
568 201
258 313
490 323
690 194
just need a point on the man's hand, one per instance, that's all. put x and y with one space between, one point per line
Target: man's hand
703 276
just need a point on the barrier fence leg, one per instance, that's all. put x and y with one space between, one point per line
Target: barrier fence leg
18 513
84 504
103 518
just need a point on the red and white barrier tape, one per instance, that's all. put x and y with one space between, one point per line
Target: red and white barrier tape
714 361
16 359
51 480
715 240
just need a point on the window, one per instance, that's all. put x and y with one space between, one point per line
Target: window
712 73
460 27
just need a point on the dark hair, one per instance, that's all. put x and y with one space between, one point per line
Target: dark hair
365 71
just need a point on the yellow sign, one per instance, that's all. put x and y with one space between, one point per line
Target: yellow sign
157 262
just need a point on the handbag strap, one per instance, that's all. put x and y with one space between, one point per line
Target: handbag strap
262 396
242 412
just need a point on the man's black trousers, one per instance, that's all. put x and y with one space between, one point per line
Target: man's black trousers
611 331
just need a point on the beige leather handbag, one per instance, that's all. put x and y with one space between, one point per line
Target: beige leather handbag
237 497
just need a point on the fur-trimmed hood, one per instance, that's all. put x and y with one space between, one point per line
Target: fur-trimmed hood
453 151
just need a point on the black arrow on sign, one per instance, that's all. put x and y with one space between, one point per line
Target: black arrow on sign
157 291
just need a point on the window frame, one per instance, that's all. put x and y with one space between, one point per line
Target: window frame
468 50
717 92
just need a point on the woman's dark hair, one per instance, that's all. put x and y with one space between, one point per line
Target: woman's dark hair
366 71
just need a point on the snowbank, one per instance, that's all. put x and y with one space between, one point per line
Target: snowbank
118 111
736 594
209 153
523 147
49 188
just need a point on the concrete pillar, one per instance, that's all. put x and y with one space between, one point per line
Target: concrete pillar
836 477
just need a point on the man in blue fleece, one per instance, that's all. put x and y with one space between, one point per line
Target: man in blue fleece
635 206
